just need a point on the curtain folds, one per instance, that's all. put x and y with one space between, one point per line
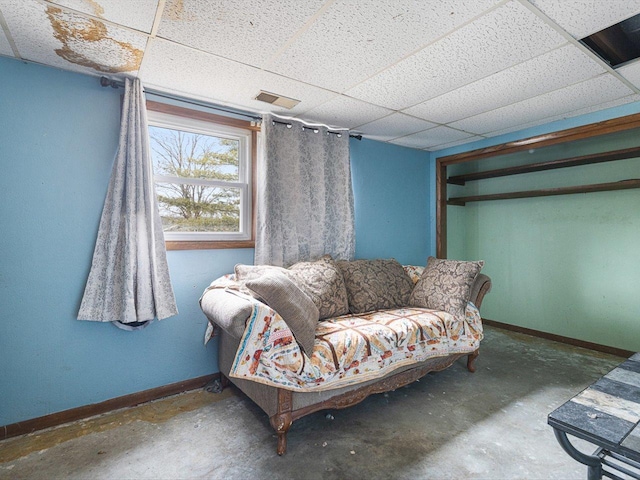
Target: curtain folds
129 278
305 196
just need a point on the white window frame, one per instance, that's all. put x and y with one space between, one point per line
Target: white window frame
244 183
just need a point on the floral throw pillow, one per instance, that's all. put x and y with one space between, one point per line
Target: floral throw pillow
375 284
445 285
323 283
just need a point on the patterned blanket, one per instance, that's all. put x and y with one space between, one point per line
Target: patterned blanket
349 349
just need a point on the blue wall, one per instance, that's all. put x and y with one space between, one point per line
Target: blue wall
392 201
58 138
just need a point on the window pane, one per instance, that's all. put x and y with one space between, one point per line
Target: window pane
192 155
197 208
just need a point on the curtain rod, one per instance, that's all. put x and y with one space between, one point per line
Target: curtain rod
107 82
315 129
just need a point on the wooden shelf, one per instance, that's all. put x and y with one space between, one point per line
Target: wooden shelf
551 165
598 187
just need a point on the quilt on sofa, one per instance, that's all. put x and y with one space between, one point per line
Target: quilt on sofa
351 348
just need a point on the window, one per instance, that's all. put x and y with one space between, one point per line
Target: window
203 176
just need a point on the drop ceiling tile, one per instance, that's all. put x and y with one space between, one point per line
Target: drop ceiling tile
219 80
499 39
138 15
582 95
250 31
377 32
48 34
5 47
393 126
435 136
345 112
475 138
631 72
309 96
575 113
584 17
178 69
556 69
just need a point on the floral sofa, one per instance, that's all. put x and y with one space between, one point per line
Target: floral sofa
327 334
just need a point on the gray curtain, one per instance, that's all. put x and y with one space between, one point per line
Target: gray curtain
305 197
129 278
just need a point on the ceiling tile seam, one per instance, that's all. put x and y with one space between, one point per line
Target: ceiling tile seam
570 38
204 52
431 128
437 39
66 9
158 18
436 124
444 145
401 136
7 34
432 42
557 117
530 98
547 52
321 11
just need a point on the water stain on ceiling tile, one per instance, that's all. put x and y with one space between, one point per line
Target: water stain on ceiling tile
174 10
98 11
84 40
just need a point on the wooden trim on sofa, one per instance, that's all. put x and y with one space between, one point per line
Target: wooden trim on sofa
619 352
282 420
131 400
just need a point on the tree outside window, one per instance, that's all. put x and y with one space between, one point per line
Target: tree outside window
188 204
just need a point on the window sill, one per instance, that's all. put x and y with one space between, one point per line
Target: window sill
208 245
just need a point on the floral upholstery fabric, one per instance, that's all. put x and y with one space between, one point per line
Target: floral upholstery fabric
323 283
375 284
351 348
320 280
414 272
445 285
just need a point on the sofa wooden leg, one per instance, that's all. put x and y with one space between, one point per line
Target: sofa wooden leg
281 421
281 424
224 381
471 361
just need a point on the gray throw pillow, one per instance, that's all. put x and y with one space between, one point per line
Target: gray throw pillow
298 311
445 285
323 283
251 272
375 284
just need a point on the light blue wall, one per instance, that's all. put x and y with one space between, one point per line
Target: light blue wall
392 201
58 138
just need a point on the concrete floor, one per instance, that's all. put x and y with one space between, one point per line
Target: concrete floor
449 425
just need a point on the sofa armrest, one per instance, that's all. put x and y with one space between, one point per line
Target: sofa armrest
226 310
480 288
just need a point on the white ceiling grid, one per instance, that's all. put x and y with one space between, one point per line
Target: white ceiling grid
428 74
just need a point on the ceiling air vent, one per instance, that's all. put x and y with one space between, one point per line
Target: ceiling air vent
617 44
275 99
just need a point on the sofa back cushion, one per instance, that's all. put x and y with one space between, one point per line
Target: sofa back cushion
375 284
321 280
445 285
297 310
